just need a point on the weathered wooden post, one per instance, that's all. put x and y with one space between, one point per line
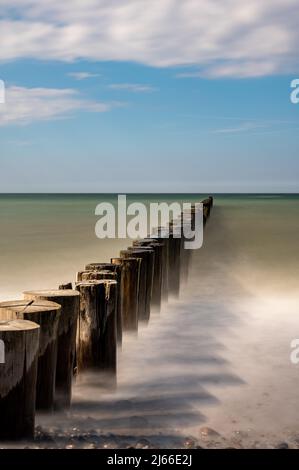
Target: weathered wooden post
66 286
165 261
145 280
174 263
88 331
148 254
177 234
108 340
158 269
46 314
97 326
207 206
69 300
185 253
116 270
129 289
18 374
114 275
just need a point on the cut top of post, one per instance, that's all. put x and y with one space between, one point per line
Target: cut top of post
29 306
17 325
53 293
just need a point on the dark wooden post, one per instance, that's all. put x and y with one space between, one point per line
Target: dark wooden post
207 206
18 374
116 275
108 340
174 263
145 280
97 328
148 254
165 262
129 289
158 269
67 286
69 300
88 332
46 314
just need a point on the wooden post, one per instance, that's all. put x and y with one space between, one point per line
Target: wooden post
18 374
116 275
97 336
146 279
149 256
129 288
174 263
67 286
165 262
88 332
46 314
69 300
180 266
207 206
158 268
108 341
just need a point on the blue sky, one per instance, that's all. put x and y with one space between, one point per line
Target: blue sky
112 120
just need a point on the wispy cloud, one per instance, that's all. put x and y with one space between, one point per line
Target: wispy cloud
82 75
256 126
27 105
132 87
243 127
221 39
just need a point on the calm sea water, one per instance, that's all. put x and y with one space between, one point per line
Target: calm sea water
45 239
217 357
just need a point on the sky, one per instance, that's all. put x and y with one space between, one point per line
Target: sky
138 96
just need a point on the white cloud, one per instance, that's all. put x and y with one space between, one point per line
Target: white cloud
227 38
82 75
26 105
133 87
243 127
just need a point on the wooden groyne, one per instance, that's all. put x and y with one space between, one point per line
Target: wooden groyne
49 337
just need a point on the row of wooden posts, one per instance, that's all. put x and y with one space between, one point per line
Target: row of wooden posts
50 336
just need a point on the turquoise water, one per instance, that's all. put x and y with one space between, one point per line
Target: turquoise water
45 239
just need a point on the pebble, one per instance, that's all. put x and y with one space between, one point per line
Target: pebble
282 445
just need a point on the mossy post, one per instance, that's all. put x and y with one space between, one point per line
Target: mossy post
69 300
19 340
46 314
